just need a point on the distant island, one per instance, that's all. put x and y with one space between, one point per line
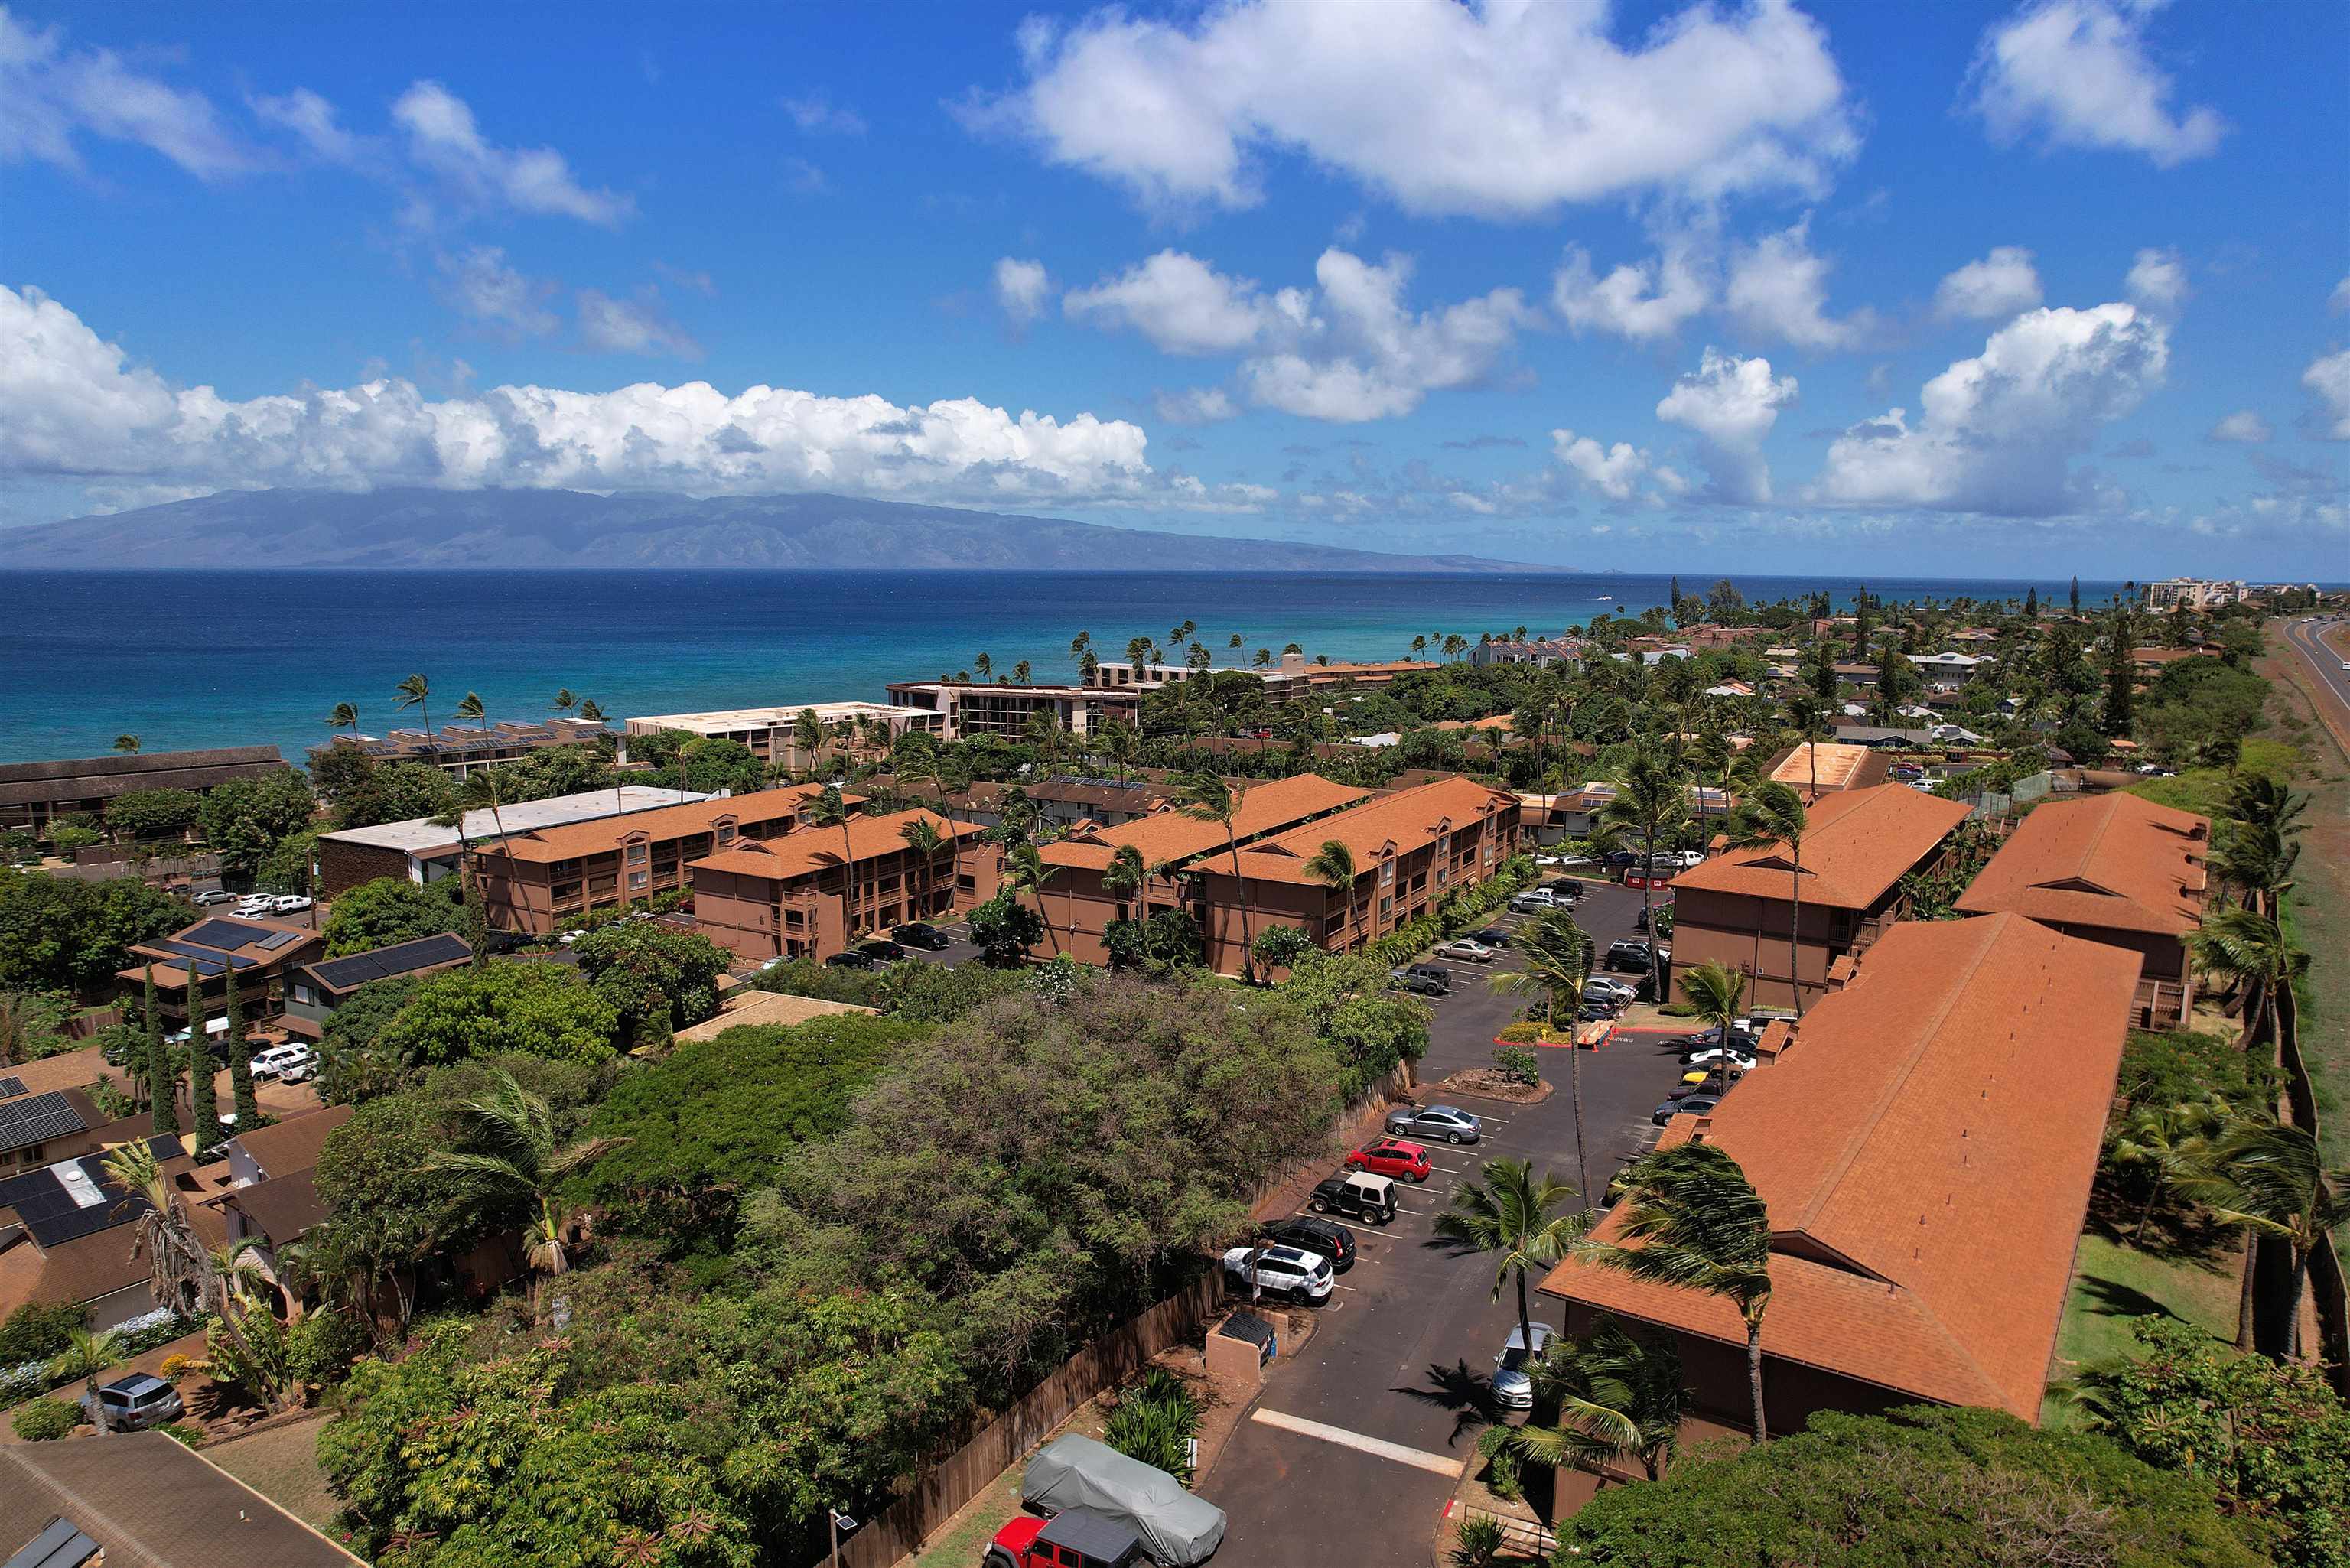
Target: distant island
556 529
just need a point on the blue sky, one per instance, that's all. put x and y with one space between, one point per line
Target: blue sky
1637 286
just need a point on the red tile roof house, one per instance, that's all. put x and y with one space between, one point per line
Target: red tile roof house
2113 869
1925 1144
1735 910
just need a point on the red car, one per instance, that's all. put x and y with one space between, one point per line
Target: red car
1391 1157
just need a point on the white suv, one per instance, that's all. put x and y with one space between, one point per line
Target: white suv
286 1064
1281 1271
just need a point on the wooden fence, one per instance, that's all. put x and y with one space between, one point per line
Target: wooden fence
2328 1289
941 1488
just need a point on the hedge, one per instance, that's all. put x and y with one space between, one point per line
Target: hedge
1456 913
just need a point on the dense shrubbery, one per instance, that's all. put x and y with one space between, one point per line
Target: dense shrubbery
34 1332
913 991
656 979
57 933
47 1420
391 909
1922 1485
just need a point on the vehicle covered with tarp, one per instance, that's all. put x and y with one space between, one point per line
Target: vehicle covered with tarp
1179 1529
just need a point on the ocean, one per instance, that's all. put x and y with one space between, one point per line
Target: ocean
193 659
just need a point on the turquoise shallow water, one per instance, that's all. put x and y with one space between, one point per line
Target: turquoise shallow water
208 659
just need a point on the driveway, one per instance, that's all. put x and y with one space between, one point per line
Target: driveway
1352 1448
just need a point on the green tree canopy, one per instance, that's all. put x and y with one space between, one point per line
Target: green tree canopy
151 812
657 978
527 1009
60 934
391 909
244 819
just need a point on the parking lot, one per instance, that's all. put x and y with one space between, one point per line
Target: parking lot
1354 1448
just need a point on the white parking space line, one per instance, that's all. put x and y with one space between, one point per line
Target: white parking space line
1438 1464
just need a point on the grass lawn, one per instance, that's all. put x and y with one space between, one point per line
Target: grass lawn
2114 1282
282 1464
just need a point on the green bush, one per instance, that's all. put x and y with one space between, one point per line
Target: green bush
1503 1475
1524 1032
1155 1422
1518 1065
47 1420
35 1333
185 1433
322 1346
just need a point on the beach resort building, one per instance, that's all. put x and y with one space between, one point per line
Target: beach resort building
421 850
35 794
813 892
856 731
961 711
459 749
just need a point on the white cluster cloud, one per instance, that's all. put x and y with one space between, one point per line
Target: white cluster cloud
443 138
1778 289
1348 349
1615 471
1731 403
2157 283
1021 288
1505 110
1996 433
1992 289
638 325
2329 378
55 94
2243 427
76 408
1643 301
2079 73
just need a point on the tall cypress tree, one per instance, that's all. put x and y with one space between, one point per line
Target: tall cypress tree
1823 675
1860 622
2076 595
2032 604
203 1108
1891 666
162 1081
2121 678
240 1062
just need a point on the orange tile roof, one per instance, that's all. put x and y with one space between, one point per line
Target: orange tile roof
1857 844
2118 861
570 840
805 850
1925 1147
1491 721
1407 820
1165 834
1839 761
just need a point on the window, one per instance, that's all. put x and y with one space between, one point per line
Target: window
305 995
1386 873
725 831
1387 907
1442 876
636 853
635 879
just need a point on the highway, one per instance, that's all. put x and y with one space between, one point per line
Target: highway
2306 637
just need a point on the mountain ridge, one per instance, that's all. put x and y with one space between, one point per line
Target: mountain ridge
557 530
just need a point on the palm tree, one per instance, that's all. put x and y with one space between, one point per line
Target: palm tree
1618 1396
1204 797
1263 659
1718 992
564 700
591 710
1044 733
2248 949
1805 708
2271 1179
1512 1216
2165 1144
417 692
86 1355
926 766
1122 743
2256 858
179 1269
1021 672
127 744
922 836
2259 801
1772 816
1332 866
1557 957
523 1163
345 716
1418 645
984 665
1651 800
1080 646
1125 876
1025 871
828 810
471 708
1699 1225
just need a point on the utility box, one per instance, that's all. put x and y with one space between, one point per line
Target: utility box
1238 1351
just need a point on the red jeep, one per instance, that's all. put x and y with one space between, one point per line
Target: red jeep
1074 1538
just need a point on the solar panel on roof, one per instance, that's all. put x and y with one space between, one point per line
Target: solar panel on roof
276 940
36 1118
405 957
226 935
11 1087
52 1216
213 956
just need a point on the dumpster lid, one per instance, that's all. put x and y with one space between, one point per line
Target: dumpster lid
1249 1326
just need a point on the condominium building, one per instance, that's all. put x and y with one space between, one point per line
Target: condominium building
856 732
422 850
35 794
1738 909
459 749
2194 593
815 892
532 881
1560 652
959 711
2117 869
1294 677
1925 1142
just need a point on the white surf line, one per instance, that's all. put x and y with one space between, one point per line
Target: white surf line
1438 1464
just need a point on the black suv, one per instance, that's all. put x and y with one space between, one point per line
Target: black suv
1424 977
921 935
1324 1237
887 951
854 957
1630 954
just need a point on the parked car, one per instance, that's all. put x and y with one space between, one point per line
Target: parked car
1718 1056
1533 901
1425 978
1601 985
1448 1124
1370 1199
1291 1272
290 904
1493 935
1631 954
1616 859
1696 1104
256 904
1074 1538
1640 920
212 896
852 959
290 1064
1327 1237
1513 1388
1711 1081
1090 1506
920 934
884 950
1392 1157
1468 949
135 1403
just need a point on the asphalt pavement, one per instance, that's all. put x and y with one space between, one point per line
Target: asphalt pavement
1354 1447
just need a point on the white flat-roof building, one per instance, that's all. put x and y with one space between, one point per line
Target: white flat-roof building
2195 593
423 851
772 732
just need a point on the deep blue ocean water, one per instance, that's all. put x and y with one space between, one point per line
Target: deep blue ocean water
211 658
